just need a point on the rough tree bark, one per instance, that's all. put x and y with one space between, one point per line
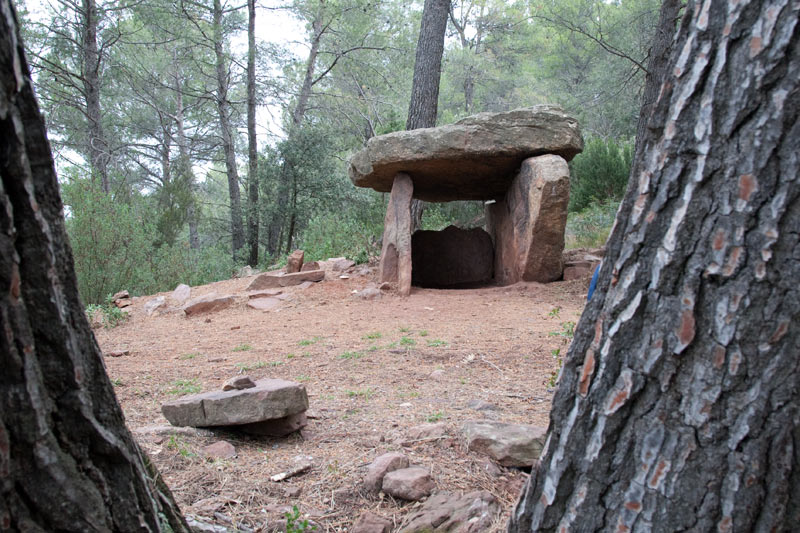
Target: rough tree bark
226 131
427 71
252 146
67 462
97 146
677 407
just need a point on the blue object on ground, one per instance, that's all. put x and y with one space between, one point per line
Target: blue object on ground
593 283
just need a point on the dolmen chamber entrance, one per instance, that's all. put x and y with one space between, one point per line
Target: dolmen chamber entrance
516 162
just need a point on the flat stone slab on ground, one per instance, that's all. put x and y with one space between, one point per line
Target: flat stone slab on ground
264 304
208 304
270 281
474 159
469 513
508 444
413 483
270 399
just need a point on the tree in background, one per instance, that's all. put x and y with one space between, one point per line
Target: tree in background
678 407
252 145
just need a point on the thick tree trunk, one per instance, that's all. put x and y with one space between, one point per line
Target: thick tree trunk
226 131
97 146
67 462
427 71
677 407
252 146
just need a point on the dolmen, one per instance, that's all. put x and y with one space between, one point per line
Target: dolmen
268 407
515 162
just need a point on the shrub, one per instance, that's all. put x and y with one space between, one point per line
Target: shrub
590 228
599 173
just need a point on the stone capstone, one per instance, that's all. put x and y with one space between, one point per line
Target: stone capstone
508 444
270 399
413 483
445 512
451 258
381 466
271 281
474 159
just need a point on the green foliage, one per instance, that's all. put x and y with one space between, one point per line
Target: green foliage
242 348
351 355
407 341
599 173
435 343
112 316
434 417
591 227
294 524
347 233
181 387
372 335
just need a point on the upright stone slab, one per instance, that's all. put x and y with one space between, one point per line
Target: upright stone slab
528 224
395 264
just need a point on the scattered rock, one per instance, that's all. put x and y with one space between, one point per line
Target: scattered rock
294 263
118 353
121 295
123 302
385 286
268 281
339 264
238 383
219 450
480 405
168 431
152 305
451 258
208 304
280 427
579 269
246 271
412 483
473 159
437 374
427 431
292 492
381 466
268 400
369 294
371 523
267 293
181 294
311 265
198 526
445 512
264 304
491 468
508 444
302 463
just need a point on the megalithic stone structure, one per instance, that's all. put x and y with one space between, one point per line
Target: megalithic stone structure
395 264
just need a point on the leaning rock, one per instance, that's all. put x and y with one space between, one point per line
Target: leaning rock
371 523
508 444
238 383
269 281
152 305
473 159
268 400
220 450
181 294
208 304
381 466
444 512
412 483
295 261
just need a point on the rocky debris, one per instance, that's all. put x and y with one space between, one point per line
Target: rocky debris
294 263
451 258
302 463
527 225
180 294
395 264
385 286
246 271
154 304
480 405
264 304
382 465
117 353
473 159
267 293
208 304
371 523
427 432
279 427
413 483
445 512
122 299
508 444
270 280
198 526
121 295
238 383
338 264
370 293
270 399
311 265
219 450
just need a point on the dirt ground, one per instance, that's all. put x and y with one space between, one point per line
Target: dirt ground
373 370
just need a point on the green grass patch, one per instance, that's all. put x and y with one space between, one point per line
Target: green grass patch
423 333
435 343
407 341
351 355
434 417
373 335
181 387
242 348
364 394
188 356
246 367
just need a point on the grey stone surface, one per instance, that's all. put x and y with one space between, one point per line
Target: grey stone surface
469 513
473 159
508 444
270 281
381 466
413 483
268 400
208 304
371 523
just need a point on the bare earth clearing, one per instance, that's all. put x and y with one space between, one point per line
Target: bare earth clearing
373 370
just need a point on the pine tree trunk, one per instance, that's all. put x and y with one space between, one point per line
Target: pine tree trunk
97 146
425 85
252 146
678 406
185 162
67 462
226 131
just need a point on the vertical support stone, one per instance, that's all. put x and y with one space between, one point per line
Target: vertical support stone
395 264
528 224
